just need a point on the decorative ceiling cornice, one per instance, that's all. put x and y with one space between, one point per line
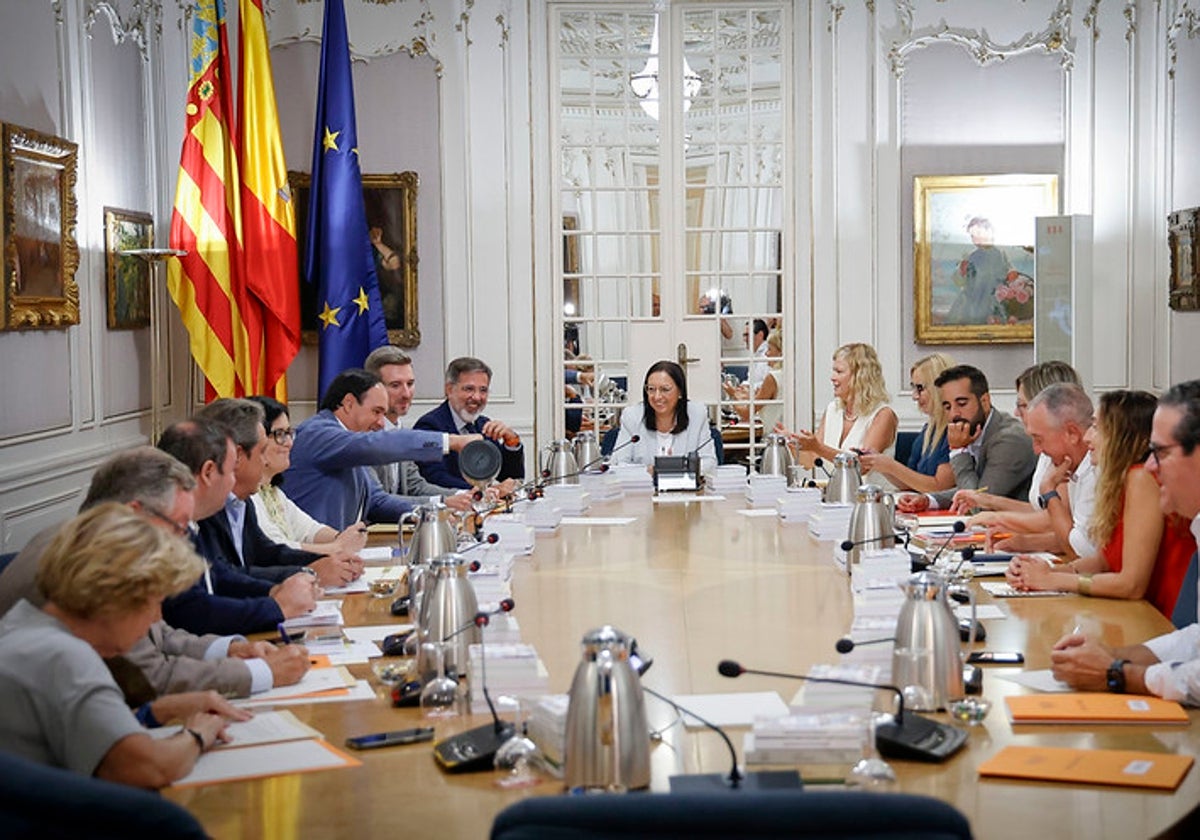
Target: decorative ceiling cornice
1186 24
1055 38
139 23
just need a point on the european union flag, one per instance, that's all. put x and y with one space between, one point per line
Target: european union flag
338 256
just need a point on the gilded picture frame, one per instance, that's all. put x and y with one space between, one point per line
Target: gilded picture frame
40 252
973 252
391 203
127 278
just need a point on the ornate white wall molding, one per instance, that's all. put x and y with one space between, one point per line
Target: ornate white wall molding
1185 24
140 22
1054 38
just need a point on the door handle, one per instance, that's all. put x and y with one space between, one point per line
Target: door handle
681 355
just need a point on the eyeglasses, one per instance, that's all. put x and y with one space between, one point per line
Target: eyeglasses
282 436
154 513
664 391
917 388
1157 449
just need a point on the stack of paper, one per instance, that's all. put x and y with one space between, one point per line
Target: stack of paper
513 670
809 736
879 599
601 486
764 491
798 504
548 728
572 499
633 478
502 629
515 533
831 522
879 655
727 479
325 614
880 564
835 695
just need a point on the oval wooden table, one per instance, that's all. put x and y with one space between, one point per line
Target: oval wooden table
696 583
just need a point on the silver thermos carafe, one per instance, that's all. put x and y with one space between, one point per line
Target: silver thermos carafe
586 450
561 466
608 739
448 605
927 660
872 522
776 457
844 480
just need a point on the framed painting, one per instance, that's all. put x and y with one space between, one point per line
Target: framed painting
391 202
973 249
40 252
127 278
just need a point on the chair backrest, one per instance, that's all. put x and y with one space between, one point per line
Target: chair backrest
49 802
5 559
718 443
905 441
846 815
1185 604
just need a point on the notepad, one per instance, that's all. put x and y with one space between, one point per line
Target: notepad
266 760
1127 768
1094 707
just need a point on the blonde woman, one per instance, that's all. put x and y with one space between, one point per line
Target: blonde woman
928 469
858 417
104 577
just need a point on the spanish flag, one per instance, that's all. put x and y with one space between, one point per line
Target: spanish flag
268 217
206 284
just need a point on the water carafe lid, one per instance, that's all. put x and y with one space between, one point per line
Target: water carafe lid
606 638
868 493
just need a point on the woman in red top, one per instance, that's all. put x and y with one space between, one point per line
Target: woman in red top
1145 554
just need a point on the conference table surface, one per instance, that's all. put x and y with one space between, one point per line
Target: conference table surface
696 583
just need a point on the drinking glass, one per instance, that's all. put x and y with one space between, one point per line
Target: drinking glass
439 697
517 755
872 772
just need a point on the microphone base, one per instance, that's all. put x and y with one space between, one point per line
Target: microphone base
919 739
473 750
757 782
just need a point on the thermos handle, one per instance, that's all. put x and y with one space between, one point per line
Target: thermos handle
406 518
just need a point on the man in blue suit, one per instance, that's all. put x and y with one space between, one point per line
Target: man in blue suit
467 384
330 475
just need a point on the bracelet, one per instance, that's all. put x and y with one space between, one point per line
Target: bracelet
197 736
1085 584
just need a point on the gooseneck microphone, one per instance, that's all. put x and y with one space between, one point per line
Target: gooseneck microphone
906 737
958 527
846 644
820 463
849 545
736 779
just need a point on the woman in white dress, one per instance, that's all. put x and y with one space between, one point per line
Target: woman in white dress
858 417
281 519
665 422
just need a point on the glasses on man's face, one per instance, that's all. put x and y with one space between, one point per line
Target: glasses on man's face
180 530
1157 449
657 391
282 436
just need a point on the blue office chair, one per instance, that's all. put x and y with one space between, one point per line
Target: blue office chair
1185 605
905 441
49 803
718 443
844 815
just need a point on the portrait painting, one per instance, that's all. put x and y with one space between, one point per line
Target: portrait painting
127 277
40 253
391 206
974 255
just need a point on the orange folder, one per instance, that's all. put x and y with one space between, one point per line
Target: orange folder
1094 707
1126 768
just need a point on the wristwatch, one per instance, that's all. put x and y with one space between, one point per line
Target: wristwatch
1116 676
1044 499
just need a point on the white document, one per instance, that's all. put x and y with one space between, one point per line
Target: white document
264 760
982 611
377 554
733 709
1042 680
325 613
598 520
375 632
684 498
352 653
361 690
354 586
759 513
317 679
1002 589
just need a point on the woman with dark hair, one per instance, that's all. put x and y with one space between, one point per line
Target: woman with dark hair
1144 554
664 422
281 519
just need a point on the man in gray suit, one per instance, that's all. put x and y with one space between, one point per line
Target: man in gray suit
394 367
988 448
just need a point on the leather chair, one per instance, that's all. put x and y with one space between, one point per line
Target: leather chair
47 803
845 815
1185 604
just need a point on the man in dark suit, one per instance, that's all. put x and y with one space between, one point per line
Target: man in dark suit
467 384
988 448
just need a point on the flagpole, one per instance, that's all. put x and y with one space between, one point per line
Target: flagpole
155 257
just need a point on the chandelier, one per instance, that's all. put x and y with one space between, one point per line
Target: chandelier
644 84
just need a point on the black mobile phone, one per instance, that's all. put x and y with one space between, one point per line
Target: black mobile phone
995 657
391 739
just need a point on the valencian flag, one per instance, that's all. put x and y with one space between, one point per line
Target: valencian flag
268 220
206 284
338 256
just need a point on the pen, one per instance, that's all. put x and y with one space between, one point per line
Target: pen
283 634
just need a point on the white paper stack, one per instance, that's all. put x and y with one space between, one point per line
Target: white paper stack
601 486
325 614
513 670
809 736
835 695
764 491
878 599
548 728
515 531
880 564
633 478
727 479
831 522
502 629
798 504
870 628
571 498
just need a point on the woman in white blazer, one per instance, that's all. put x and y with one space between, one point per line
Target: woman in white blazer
664 422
